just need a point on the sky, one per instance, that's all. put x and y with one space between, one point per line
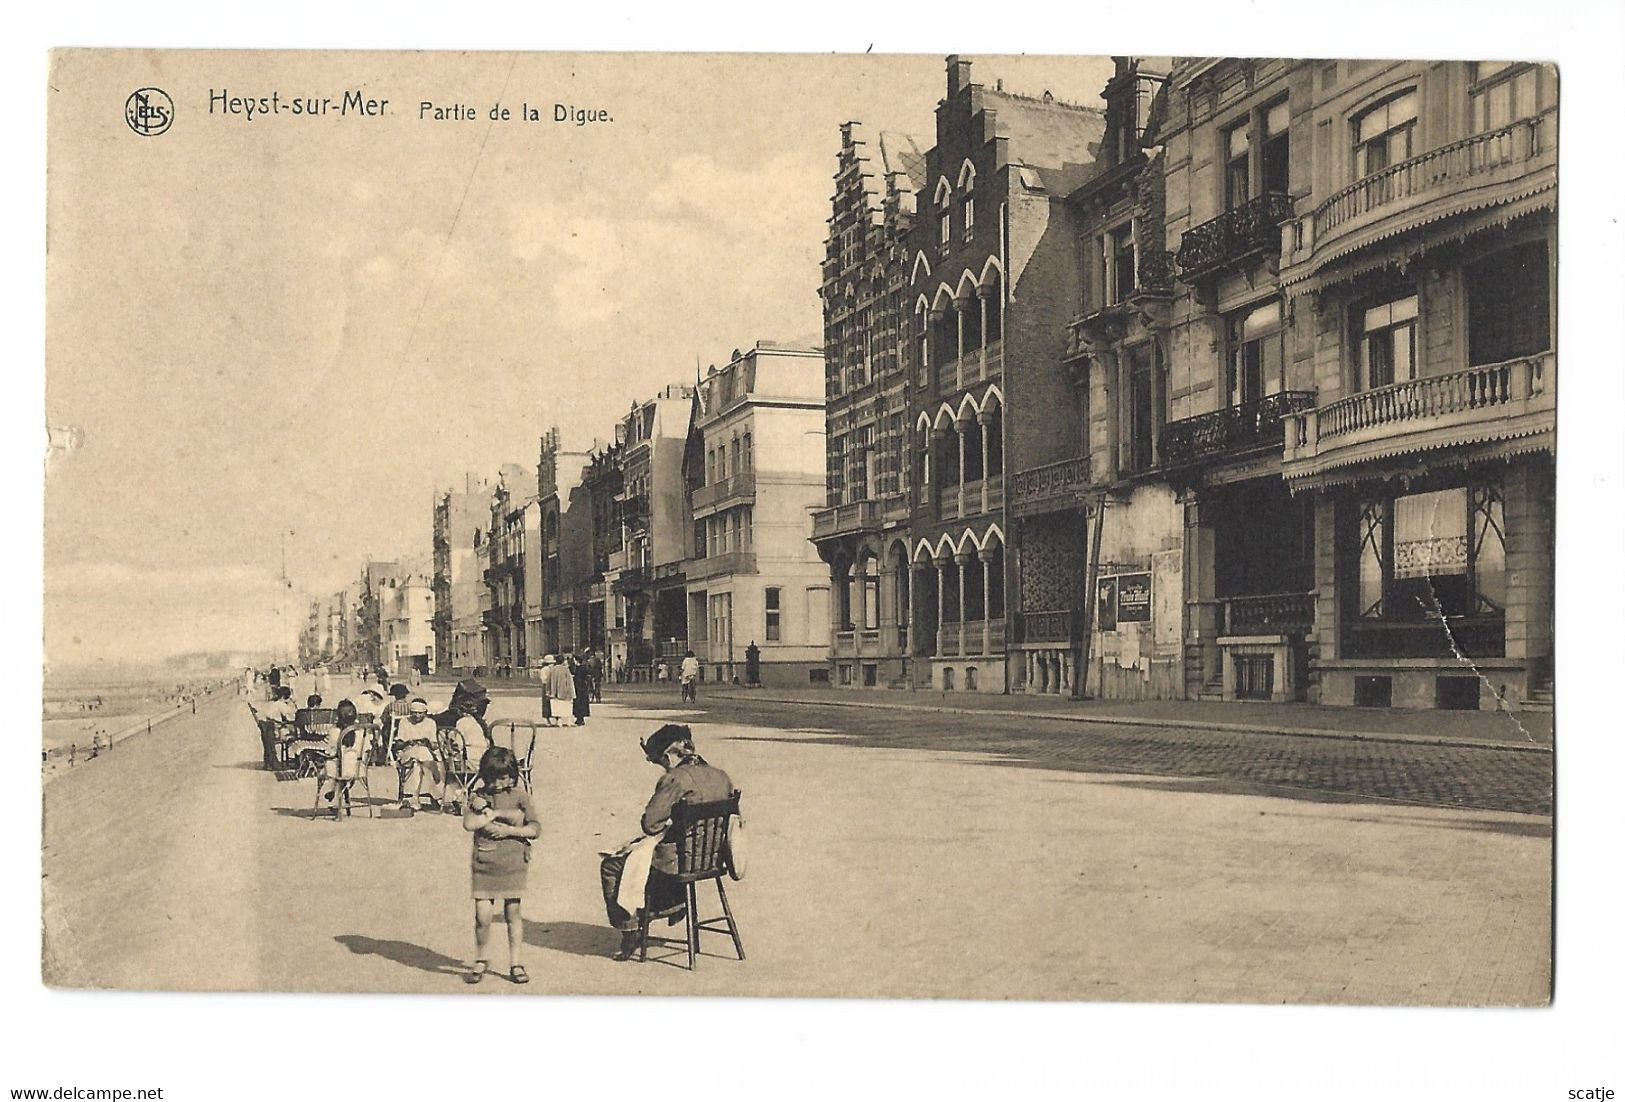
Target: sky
278 334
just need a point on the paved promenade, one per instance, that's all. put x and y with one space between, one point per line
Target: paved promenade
943 856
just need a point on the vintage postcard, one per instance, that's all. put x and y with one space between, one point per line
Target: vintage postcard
971 527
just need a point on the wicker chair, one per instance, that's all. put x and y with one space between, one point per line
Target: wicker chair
518 735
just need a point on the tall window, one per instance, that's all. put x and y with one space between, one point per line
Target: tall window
1503 92
1144 416
1432 554
1387 336
1255 358
1277 151
699 539
1384 135
747 460
945 228
771 601
967 228
1237 166
1117 264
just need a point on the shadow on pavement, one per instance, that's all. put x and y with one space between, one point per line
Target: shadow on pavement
577 938
250 766
1236 763
403 952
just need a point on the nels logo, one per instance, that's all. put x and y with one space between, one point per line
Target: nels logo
149 111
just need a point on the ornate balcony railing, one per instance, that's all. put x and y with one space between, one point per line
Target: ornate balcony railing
1449 166
1154 272
1232 429
1500 401
1269 614
1054 486
840 520
1252 229
1050 626
671 648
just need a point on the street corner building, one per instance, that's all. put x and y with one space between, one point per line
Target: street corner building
1265 350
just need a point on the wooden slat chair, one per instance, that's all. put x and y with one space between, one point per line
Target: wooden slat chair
518 735
701 834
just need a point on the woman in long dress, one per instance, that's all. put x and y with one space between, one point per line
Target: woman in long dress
582 676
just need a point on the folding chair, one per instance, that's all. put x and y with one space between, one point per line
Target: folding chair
518 735
701 834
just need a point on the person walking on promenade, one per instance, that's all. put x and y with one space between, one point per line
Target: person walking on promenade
689 675
503 821
583 691
551 687
595 667
687 776
416 756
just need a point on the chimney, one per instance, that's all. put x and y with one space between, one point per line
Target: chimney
958 75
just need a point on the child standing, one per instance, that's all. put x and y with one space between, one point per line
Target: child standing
500 816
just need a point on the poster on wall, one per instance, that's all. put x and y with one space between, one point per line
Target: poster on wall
1106 604
1134 598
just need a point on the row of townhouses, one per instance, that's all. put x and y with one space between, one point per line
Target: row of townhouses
688 531
1241 387
1238 385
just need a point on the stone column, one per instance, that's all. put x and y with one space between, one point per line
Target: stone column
959 561
959 434
908 613
987 600
983 419
959 330
942 588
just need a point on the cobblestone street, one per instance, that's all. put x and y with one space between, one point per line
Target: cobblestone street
1490 779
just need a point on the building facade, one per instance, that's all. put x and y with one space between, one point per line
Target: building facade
644 575
756 468
1418 270
866 377
458 515
993 266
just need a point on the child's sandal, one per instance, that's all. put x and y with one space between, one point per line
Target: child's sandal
518 974
481 967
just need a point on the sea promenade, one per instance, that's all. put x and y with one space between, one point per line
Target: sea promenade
892 854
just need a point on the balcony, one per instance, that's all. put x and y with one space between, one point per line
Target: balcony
632 580
844 520
1052 487
728 562
728 491
1051 626
1235 238
1268 614
970 639
1484 170
969 499
671 648
1515 399
1231 431
634 507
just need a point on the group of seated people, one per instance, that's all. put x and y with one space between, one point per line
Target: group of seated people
338 745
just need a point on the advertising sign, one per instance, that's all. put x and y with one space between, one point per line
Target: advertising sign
1134 598
1106 605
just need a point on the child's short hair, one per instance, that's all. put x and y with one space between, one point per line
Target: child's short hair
496 763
